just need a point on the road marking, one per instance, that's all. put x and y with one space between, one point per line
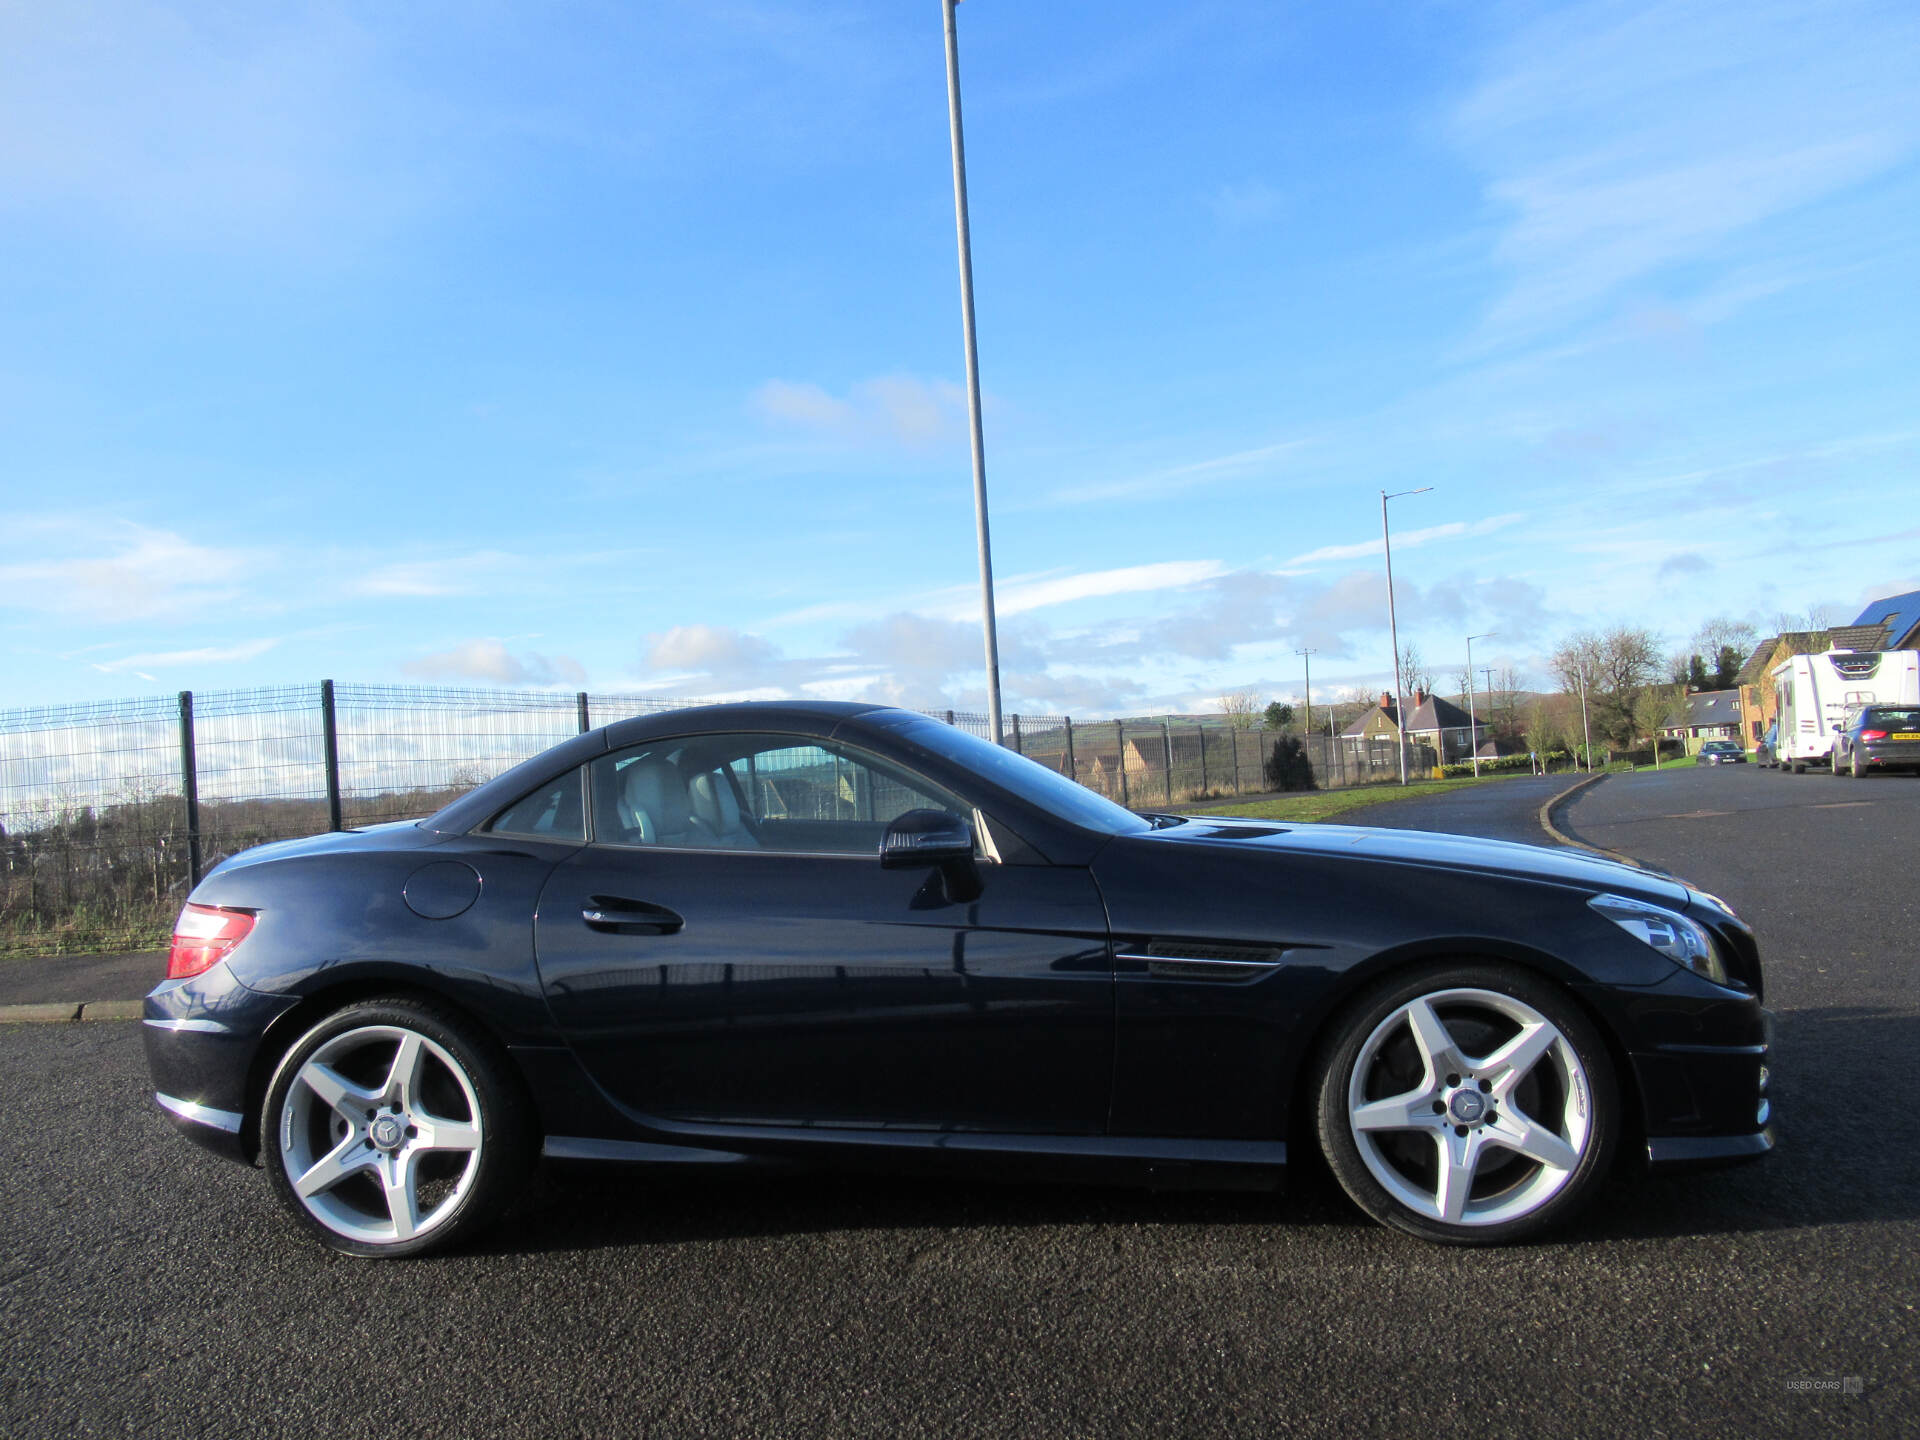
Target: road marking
1840 804
1707 814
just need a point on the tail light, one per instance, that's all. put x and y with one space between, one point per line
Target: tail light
1873 734
203 936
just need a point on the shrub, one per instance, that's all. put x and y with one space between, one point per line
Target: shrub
1288 766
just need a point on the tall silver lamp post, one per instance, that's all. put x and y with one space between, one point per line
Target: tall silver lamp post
973 375
1306 658
1393 625
1473 718
1586 735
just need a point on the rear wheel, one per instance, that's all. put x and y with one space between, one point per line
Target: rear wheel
395 1128
1468 1104
1859 773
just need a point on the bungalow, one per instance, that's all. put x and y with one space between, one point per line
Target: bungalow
1710 715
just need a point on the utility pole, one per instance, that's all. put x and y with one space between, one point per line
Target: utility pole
989 628
1473 720
1306 657
1393 625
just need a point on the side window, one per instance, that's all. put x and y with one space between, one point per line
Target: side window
755 792
553 812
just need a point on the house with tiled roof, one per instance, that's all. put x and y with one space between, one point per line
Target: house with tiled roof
1710 715
1438 723
1897 619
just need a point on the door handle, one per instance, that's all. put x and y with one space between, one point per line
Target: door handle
616 916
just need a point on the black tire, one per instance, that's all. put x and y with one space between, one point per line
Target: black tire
1858 773
440 1151
1509 1195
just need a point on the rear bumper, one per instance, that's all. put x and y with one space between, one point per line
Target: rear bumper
201 1037
1901 755
217 1130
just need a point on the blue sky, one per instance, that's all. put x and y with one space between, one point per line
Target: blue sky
617 346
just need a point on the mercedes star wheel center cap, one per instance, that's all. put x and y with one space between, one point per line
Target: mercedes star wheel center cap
1468 1106
387 1132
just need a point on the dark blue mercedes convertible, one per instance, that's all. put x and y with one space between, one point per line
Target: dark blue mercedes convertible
770 934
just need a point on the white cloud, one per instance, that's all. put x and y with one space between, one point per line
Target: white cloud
1406 540
425 579
717 650
132 571
174 659
490 660
892 409
1240 464
1023 596
1618 140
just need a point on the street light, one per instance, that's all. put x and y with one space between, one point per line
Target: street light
973 374
1393 624
1473 721
1307 660
1586 735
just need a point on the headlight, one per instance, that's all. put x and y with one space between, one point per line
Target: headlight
1683 941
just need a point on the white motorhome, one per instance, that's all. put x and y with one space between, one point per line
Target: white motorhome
1815 691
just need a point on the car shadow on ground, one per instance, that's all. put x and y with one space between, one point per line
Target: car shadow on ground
1841 1092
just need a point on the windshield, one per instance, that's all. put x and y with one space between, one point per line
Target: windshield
1035 783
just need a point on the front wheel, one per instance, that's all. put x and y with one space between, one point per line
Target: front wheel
1471 1104
393 1128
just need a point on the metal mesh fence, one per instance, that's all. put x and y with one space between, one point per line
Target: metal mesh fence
110 812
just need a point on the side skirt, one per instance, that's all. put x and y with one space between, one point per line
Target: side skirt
1155 1162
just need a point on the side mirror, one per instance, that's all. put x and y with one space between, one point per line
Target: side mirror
925 837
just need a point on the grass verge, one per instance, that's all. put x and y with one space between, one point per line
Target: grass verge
1325 804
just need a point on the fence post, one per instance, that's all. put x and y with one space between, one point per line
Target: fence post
1203 756
1018 748
581 700
1235 734
1120 750
330 753
949 717
1166 735
190 786
1073 771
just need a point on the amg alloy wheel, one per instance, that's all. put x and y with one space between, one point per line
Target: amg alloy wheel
389 1129
1474 1105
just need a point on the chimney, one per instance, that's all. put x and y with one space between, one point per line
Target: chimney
1386 700
1419 697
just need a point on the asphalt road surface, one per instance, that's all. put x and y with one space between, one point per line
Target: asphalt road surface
148 1289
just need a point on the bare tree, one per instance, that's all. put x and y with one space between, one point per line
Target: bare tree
1415 673
1717 652
1814 617
1617 666
1241 707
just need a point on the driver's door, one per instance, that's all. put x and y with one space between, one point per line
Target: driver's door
774 973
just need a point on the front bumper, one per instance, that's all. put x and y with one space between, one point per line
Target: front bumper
201 1037
1707 1105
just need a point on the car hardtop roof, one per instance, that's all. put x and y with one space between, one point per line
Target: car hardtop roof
807 717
